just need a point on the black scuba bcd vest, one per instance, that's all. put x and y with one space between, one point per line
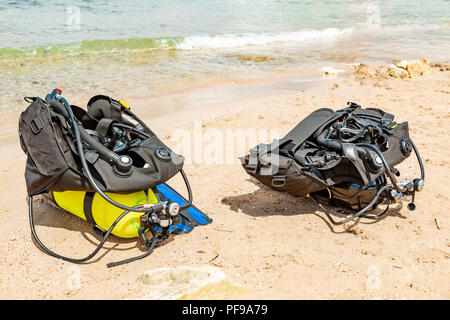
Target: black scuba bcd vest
53 162
325 149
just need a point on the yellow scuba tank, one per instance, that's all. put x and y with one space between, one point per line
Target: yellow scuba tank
104 213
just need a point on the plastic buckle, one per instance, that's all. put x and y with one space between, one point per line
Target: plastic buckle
278 181
353 105
116 104
251 169
35 127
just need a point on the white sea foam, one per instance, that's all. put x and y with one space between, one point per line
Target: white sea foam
241 40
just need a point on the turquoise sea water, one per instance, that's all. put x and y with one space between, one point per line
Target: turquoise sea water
47 22
137 47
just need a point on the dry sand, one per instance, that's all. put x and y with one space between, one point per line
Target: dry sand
269 245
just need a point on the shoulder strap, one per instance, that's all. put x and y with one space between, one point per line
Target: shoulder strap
101 106
307 127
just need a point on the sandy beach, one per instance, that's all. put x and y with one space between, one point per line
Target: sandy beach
265 244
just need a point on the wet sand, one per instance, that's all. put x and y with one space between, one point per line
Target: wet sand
269 245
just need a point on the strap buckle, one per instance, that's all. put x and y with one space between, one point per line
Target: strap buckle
278 181
36 126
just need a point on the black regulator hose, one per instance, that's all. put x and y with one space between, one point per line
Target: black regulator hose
337 146
419 159
328 143
188 204
48 251
147 253
414 185
356 214
389 173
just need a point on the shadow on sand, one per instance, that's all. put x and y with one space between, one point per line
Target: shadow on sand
265 202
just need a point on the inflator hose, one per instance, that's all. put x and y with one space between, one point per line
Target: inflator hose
104 151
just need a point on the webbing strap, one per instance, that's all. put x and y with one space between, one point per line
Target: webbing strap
103 126
87 207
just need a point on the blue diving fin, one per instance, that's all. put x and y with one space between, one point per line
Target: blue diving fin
190 218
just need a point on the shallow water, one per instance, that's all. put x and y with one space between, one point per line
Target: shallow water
142 48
